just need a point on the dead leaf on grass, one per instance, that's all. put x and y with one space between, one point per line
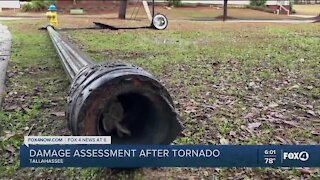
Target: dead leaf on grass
224 141
30 129
283 141
291 123
305 171
315 133
11 108
311 112
10 149
58 114
10 135
7 136
273 105
248 130
12 93
254 125
233 133
294 87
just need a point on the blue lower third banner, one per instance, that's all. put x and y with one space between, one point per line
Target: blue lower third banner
134 156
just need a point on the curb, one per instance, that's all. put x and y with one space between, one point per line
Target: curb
5 46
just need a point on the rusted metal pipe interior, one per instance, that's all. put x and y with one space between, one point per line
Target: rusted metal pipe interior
115 98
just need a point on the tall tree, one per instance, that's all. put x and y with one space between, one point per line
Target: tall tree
225 9
122 9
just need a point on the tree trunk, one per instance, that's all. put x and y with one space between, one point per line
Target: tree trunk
225 10
122 9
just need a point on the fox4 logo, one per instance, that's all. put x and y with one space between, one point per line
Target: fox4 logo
302 156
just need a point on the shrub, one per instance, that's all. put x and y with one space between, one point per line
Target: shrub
174 3
258 2
261 8
37 5
27 7
291 8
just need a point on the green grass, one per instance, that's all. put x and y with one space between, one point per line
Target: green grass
214 68
222 79
36 81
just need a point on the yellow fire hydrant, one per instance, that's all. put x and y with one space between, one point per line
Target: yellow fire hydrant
52 15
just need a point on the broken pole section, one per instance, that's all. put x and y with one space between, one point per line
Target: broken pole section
115 99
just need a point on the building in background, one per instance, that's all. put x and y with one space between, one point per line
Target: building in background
272 4
307 1
9 4
87 5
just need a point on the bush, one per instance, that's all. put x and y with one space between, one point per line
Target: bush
37 5
27 7
261 8
291 8
258 2
175 3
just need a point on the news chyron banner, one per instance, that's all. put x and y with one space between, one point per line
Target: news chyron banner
97 151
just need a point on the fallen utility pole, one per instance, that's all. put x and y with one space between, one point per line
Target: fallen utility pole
116 99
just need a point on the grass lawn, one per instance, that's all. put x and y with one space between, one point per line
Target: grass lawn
209 13
231 83
186 13
313 9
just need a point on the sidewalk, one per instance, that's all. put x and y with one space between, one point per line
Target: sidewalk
5 46
273 21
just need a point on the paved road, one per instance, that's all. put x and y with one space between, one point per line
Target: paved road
303 16
5 46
